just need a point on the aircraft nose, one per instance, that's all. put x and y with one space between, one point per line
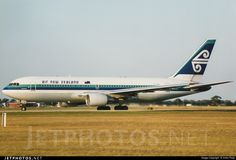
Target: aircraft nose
4 91
8 92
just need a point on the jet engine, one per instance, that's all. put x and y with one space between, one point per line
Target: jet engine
96 99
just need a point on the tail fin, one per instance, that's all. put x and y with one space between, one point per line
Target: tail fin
194 68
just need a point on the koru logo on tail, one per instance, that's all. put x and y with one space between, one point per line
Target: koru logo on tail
200 60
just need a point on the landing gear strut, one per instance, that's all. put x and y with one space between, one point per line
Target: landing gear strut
103 108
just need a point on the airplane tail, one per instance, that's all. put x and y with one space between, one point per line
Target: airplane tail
194 68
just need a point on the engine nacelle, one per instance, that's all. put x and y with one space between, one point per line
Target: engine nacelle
96 99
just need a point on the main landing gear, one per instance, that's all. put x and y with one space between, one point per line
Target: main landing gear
119 107
103 108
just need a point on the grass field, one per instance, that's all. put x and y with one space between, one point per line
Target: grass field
89 133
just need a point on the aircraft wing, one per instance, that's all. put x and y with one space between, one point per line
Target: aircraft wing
195 86
132 91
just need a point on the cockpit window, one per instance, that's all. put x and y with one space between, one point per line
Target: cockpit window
87 82
14 84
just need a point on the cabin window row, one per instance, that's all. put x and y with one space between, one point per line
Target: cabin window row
101 86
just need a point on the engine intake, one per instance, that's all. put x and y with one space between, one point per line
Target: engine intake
96 99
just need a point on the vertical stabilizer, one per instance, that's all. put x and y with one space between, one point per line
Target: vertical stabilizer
194 68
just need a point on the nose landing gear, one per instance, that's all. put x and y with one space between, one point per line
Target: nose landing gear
23 107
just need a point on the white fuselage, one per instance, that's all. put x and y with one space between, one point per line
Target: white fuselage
67 89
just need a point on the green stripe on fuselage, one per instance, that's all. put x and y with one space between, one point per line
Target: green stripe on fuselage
73 87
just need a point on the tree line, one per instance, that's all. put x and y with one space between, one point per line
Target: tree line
213 101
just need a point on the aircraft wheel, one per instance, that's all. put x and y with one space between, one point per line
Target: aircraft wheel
117 108
107 108
125 108
23 108
121 108
103 108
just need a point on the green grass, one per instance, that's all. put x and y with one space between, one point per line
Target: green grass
90 133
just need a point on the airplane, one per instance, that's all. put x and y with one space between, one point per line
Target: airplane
100 91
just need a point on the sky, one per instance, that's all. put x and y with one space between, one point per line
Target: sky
133 38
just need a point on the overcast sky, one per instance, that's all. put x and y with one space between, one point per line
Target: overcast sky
134 38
